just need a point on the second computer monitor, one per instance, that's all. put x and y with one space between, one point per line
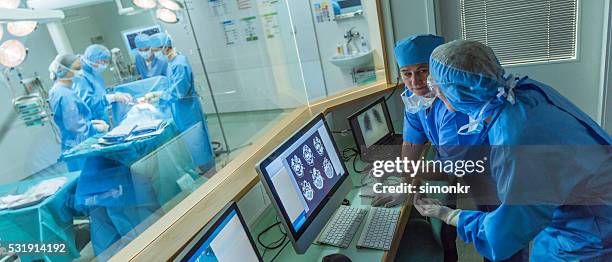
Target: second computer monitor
225 239
307 181
371 125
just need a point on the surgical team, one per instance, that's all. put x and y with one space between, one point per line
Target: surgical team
457 94
80 104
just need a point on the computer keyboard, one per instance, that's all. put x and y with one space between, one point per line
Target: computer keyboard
340 230
379 228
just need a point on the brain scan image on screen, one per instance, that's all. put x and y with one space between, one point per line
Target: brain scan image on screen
317 179
297 166
318 145
313 169
307 190
328 168
307 154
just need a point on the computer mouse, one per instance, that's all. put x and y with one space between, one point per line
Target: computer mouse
336 258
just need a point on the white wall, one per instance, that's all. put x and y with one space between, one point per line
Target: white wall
409 18
578 80
330 34
258 75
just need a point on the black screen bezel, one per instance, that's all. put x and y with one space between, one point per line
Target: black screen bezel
261 166
356 128
211 226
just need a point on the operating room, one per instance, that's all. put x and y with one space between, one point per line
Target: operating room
135 129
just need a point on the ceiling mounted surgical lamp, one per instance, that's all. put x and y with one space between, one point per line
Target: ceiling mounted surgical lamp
170 5
12 53
145 4
21 28
166 16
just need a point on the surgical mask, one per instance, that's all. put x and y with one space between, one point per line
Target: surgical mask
414 103
78 73
100 68
476 125
144 54
160 55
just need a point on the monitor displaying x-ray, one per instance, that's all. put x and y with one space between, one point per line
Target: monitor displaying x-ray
371 125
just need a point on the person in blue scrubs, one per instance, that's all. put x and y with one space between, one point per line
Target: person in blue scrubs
70 113
147 64
184 102
425 119
92 89
551 162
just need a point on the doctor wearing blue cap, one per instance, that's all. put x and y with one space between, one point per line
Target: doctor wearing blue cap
147 64
92 89
425 118
551 162
70 114
184 101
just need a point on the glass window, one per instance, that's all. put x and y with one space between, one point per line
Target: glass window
146 102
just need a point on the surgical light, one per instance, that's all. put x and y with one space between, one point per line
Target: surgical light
170 4
10 4
12 53
145 4
166 16
21 28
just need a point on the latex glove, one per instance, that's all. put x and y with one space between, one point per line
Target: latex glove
153 97
119 97
430 207
389 200
100 126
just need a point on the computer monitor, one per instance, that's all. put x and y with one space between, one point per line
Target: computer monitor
130 35
371 125
225 239
306 180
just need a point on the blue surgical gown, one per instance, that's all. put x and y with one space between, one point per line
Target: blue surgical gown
93 92
438 125
545 156
157 67
184 104
71 116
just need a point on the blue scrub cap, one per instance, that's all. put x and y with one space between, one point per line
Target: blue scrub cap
470 76
160 40
94 53
416 49
142 41
61 65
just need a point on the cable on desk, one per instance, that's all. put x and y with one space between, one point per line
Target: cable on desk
352 153
343 132
281 250
274 244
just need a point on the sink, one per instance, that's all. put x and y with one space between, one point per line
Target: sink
352 61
